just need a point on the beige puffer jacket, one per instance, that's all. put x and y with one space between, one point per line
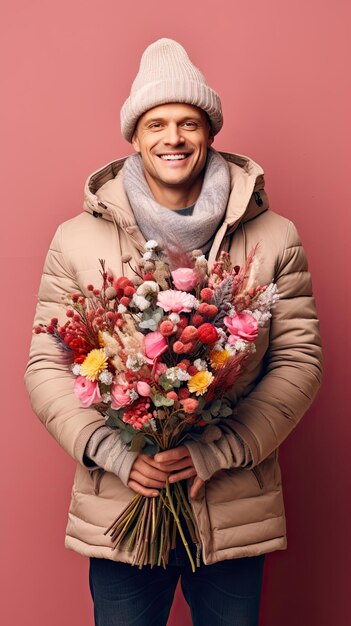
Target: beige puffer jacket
240 512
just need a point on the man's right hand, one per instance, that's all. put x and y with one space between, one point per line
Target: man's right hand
146 476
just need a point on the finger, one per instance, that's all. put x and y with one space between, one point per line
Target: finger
150 470
135 486
149 460
169 456
187 473
146 481
172 467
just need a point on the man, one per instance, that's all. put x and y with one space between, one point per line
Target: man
178 190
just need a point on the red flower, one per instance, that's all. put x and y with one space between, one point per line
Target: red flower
197 319
206 293
207 334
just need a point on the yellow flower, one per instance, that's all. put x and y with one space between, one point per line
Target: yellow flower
94 364
200 382
218 357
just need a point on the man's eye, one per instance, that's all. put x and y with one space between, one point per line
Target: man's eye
155 125
190 124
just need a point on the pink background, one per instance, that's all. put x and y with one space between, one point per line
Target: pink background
282 70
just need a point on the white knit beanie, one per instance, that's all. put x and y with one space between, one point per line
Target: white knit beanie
166 74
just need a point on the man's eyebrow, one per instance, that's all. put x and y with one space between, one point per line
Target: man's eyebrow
193 118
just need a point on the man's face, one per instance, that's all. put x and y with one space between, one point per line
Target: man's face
172 140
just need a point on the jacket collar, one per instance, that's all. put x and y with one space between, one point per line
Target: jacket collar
104 196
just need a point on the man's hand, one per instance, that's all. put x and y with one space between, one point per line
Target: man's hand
147 476
178 461
150 473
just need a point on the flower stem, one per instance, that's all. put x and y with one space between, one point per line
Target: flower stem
186 545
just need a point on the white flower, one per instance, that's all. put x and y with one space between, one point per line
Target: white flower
244 346
200 364
151 244
267 298
106 377
76 369
135 361
230 310
140 302
230 349
222 337
133 395
121 308
176 373
149 287
174 317
149 256
106 397
153 424
182 374
261 317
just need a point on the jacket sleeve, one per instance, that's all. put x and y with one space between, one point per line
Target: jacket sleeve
47 377
292 376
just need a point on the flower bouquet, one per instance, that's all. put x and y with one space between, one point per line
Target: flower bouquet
155 355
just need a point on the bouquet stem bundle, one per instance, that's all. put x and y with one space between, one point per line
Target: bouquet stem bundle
148 526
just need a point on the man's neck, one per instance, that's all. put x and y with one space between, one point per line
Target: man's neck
173 198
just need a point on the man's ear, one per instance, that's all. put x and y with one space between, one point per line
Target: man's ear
135 142
210 139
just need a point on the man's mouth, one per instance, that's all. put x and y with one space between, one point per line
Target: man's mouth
173 157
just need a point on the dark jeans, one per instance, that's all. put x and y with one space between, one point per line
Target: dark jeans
226 593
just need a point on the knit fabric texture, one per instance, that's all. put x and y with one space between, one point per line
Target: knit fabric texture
166 74
107 451
168 227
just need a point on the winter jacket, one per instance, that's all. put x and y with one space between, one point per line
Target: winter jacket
240 510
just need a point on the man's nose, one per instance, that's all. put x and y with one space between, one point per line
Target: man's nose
173 135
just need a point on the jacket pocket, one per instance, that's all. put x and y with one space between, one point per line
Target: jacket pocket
96 477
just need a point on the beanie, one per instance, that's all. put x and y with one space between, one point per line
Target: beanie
166 74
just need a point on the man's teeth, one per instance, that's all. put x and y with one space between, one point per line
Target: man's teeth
173 157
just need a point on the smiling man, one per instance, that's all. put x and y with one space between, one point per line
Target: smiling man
176 188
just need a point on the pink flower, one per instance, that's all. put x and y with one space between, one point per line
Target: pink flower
176 301
184 278
87 391
120 396
242 326
190 405
155 345
143 388
161 368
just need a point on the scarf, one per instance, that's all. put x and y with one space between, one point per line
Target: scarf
168 227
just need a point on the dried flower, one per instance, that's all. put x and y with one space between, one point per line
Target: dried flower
94 364
200 382
176 301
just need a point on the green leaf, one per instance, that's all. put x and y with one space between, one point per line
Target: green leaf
215 407
226 411
151 448
126 436
138 442
160 400
206 415
115 418
111 423
165 383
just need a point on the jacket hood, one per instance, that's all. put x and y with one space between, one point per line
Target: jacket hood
105 197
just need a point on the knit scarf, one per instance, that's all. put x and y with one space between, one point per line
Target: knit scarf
166 226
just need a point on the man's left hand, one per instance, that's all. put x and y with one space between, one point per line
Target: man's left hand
179 463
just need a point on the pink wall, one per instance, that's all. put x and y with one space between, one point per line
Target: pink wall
281 69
